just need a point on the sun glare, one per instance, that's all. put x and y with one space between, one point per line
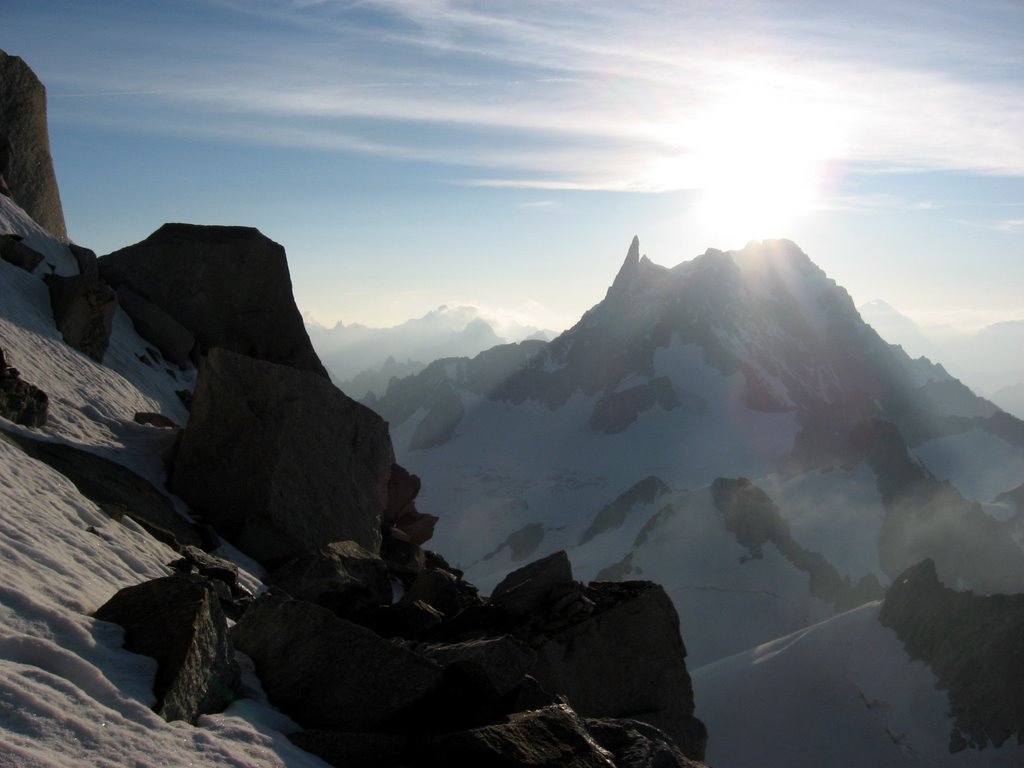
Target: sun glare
759 160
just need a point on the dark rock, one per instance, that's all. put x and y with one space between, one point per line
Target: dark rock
86 260
401 512
438 589
352 750
553 737
83 308
342 577
210 567
973 644
613 515
404 558
486 669
614 412
529 588
154 420
521 543
15 252
328 673
25 161
637 745
625 659
21 402
178 621
115 489
158 327
280 460
229 286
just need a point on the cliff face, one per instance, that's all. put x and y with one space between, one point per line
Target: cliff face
973 644
26 166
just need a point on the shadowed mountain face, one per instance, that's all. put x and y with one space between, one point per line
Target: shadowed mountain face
744 364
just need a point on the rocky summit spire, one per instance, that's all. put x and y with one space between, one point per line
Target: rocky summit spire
629 267
25 161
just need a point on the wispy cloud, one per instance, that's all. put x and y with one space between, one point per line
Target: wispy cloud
589 95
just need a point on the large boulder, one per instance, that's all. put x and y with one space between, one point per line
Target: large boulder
280 460
83 308
552 737
342 577
26 166
21 402
178 621
624 659
174 340
228 286
328 673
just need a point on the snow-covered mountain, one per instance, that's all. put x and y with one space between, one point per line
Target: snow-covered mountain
363 360
747 364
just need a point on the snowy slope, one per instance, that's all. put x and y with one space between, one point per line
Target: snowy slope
69 694
842 693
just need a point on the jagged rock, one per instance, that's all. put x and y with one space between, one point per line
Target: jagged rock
229 286
342 577
352 750
178 621
208 566
21 402
529 588
86 260
174 340
83 308
974 645
115 489
154 420
401 512
552 737
438 589
281 461
404 558
637 745
15 252
625 659
485 669
25 161
328 673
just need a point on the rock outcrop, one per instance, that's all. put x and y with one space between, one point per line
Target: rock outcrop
281 461
326 672
178 621
974 646
228 286
83 308
26 166
15 252
21 402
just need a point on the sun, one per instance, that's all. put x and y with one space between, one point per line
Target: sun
758 159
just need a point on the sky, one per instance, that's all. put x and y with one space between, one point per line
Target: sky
414 153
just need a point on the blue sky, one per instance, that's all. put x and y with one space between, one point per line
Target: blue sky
409 153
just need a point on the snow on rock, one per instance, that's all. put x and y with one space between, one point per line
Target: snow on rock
70 695
840 693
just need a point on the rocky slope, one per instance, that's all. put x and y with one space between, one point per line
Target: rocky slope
268 552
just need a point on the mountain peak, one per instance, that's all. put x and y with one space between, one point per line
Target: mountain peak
629 267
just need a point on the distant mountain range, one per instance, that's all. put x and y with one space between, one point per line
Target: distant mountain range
362 360
729 427
988 360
